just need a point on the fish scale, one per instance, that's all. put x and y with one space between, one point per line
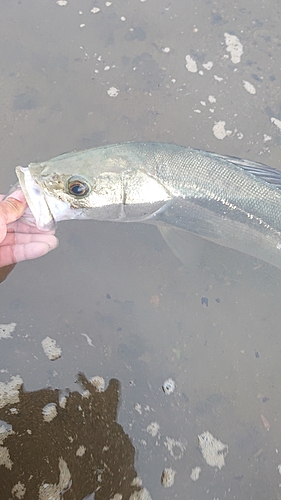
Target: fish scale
233 202
195 174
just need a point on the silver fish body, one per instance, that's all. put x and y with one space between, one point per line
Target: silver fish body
232 202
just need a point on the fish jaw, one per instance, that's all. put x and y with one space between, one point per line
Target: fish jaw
37 203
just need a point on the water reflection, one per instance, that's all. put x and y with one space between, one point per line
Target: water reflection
68 446
5 271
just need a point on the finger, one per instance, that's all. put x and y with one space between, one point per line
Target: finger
12 209
21 227
21 239
17 194
12 254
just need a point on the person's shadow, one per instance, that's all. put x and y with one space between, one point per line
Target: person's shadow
70 447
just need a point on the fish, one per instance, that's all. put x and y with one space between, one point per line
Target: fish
232 202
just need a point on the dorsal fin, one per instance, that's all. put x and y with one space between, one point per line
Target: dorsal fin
259 170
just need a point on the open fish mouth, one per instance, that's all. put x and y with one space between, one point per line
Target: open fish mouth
39 213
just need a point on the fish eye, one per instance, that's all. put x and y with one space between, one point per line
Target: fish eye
78 186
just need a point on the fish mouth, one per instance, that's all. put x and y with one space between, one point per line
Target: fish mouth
36 200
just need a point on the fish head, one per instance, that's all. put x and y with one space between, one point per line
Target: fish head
104 183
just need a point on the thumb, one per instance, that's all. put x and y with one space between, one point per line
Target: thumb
13 207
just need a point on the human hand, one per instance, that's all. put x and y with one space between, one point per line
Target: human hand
19 241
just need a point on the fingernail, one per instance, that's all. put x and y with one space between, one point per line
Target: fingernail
17 195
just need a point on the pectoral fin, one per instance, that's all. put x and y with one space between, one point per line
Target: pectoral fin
187 247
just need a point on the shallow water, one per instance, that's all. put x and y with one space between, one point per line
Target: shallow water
114 298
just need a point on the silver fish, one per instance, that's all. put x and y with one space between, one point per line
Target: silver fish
232 202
